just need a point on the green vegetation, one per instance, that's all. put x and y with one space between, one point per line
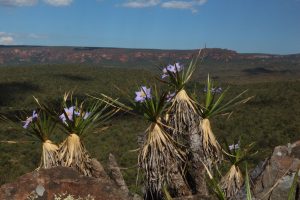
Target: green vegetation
269 119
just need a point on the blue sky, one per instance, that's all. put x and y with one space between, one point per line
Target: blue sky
265 26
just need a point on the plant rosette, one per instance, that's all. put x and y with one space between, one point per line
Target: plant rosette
214 105
40 126
236 154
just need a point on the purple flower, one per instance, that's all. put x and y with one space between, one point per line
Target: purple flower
143 94
73 111
86 115
171 68
69 112
164 76
218 90
165 71
233 147
82 114
63 117
178 67
77 113
170 96
30 119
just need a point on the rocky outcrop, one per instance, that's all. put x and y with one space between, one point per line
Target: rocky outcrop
273 178
98 170
60 181
115 174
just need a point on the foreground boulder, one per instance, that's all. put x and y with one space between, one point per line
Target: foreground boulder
60 182
273 178
116 175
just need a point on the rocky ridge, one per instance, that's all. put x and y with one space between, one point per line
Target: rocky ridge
22 55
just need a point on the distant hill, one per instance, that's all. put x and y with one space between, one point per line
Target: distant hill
28 55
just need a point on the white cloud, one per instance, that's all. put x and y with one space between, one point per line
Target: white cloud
18 2
6 39
187 5
141 3
59 2
13 38
168 4
178 4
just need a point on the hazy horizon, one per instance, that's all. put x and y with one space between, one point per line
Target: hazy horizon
158 49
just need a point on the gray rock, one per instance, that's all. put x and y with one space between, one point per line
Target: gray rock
273 179
98 170
136 197
40 190
116 174
60 180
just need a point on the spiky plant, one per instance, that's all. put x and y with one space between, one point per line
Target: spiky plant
159 152
76 119
40 126
233 180
182 112
214 105
182 116
218 191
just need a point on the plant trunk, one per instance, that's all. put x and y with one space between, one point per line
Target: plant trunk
197 170
156 157
178 185
184 120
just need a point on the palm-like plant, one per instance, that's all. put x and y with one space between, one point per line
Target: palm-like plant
214 105
182 116
159 152
220 193
77 119
182 112
233 180
40 126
